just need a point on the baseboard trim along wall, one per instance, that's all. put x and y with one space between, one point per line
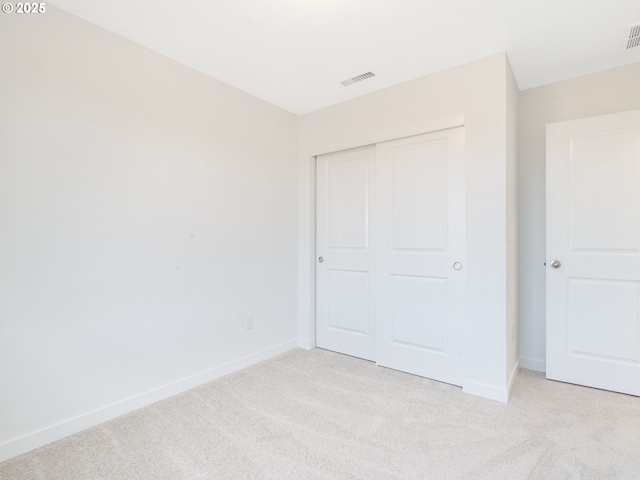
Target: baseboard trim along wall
29 442
305 344
512 378
533 364
491 392
483 390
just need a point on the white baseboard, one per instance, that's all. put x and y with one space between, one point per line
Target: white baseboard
60 430
533 364
304 343
491 392
512 378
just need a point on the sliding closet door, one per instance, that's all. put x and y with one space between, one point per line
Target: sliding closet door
420 254
345 306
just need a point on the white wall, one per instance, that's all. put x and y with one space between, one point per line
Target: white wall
601 93
478 92
513 274
145 210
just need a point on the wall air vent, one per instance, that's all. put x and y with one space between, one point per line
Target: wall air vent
634 36
357 79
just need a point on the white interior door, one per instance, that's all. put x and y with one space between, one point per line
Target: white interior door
593 252
420 254
345 307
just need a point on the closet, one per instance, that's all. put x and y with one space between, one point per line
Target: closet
390 266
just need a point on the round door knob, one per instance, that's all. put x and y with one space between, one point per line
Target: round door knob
457 266
320 259
556 264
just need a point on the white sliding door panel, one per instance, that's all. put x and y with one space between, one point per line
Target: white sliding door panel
593 234
344 304
420 294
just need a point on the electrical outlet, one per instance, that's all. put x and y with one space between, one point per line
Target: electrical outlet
249 322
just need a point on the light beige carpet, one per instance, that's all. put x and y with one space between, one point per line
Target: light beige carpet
321 415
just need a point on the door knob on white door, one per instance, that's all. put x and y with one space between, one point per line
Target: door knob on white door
320 259
457 266
556 264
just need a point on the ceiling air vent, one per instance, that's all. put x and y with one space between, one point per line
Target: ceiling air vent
634 36
357 79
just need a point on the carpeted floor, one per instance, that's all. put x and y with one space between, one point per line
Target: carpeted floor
321 415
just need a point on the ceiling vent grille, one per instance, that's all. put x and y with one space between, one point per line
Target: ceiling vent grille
357 79
634 36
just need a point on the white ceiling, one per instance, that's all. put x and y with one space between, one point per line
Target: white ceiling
294 53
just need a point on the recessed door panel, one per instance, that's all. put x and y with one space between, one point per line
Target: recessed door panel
420 312
604 171
348 182
603 319
420 196
349 301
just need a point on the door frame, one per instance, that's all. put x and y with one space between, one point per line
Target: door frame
306 308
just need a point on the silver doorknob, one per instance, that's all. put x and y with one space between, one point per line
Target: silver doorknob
556 264
320 259
457 266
